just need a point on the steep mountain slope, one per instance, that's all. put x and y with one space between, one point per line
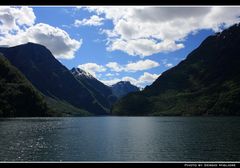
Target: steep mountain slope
18 98
122 88
102 92
50 77
207 82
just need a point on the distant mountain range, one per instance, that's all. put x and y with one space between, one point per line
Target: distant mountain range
67 93
102 92
207 82
122 88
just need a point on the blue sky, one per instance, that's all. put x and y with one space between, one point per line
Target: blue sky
117 43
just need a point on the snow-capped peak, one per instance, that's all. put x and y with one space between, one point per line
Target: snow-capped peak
80 72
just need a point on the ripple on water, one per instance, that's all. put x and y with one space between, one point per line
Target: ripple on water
120 139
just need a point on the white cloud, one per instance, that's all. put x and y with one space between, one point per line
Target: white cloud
133 66
144 31
92 68
111 81
169 65
131 80
114 66
142 81
55 39
113 13
141 65
166 64
18 27
26 16
92 21
148 77
115 80
143 47
12 18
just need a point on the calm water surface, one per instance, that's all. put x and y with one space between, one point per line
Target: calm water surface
120 139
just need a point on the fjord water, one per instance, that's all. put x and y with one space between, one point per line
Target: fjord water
120 139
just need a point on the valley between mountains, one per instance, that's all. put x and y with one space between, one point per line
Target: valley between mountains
34 83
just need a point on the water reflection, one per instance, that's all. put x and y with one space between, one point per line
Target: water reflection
120 139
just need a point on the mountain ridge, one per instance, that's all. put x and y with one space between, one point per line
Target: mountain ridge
205 83
18 97
122 88
98 89
50 77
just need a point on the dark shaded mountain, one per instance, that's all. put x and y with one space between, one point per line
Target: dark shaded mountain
122 88
102 92
207 82
50 77
18 98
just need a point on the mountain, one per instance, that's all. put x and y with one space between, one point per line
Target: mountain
98 89
122 88
53 79
18 98
207 82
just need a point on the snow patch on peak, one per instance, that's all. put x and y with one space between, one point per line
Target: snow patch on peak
80 72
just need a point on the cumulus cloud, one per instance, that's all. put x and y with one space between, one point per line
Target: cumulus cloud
143 31
92 21
143 80
114 66
143 47
92 68
55 39
148 77
133 66
12 18
18 27
141 65
131 80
